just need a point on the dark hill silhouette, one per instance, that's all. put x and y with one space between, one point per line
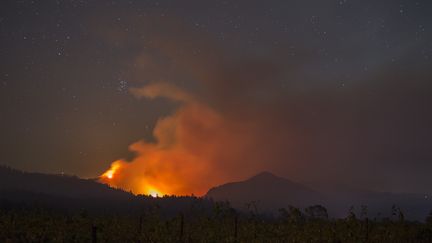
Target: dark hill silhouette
59 185
62 192
270 193
266 190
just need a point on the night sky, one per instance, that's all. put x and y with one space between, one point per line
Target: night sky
317 91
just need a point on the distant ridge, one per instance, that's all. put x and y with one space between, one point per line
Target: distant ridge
267 191
270 193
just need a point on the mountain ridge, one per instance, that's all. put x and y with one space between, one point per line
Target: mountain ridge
266 188
271 192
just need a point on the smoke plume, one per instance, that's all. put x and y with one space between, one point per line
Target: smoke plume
195 148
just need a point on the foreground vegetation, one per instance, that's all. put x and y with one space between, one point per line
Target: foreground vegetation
219 224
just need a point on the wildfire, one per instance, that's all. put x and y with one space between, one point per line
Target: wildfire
194 148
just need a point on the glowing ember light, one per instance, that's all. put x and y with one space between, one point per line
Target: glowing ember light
154 193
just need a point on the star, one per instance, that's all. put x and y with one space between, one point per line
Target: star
122 86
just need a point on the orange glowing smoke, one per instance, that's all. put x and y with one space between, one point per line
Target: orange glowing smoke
195 149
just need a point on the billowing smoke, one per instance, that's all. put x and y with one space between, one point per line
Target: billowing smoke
195 148
243 109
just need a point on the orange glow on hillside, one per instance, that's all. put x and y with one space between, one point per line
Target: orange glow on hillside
113 176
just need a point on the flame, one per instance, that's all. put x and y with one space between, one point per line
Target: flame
109 174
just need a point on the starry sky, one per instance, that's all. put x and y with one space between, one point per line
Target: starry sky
336 90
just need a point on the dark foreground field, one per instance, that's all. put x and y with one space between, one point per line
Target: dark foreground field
57 208
220 224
